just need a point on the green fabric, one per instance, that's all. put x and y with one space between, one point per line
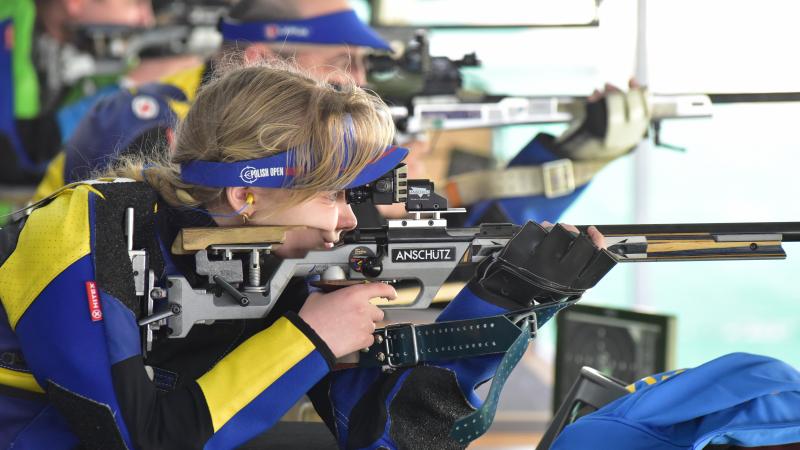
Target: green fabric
26 84
5 210
79 90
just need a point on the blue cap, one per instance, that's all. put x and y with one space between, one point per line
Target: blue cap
114 123
340 28
277 171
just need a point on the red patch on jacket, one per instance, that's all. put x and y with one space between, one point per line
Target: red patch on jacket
95 312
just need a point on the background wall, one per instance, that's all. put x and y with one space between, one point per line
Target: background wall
739 165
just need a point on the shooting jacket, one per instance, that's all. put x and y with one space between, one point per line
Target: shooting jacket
739 399
72 371
72 368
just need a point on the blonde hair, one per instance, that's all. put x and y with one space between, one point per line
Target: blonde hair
264 109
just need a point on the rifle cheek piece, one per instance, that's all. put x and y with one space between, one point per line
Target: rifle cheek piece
538 266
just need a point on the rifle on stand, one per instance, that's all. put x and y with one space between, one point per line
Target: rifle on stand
421 249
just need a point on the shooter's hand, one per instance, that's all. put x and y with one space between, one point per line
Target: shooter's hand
543 264
345 319
594 234
611 124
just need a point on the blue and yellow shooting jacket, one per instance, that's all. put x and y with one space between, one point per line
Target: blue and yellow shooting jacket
69 374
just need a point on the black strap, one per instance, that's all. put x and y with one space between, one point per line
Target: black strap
93 422
406 344
401 345
471 426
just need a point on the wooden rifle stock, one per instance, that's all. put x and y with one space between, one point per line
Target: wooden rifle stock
699 241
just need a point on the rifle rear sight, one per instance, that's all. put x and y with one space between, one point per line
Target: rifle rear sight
394 187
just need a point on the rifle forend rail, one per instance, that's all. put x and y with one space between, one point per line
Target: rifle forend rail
699 241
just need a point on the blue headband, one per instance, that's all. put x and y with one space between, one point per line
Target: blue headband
276 171
332 29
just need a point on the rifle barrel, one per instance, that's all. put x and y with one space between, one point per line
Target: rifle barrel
790 231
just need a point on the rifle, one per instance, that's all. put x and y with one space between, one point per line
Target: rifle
426 93
421 248
184 28
450 113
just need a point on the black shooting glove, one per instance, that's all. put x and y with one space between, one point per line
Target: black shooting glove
537 266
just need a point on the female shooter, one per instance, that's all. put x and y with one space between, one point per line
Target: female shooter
260 146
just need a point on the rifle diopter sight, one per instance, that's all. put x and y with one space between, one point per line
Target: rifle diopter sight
395 187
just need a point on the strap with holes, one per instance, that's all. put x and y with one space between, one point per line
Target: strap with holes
407 344
471 426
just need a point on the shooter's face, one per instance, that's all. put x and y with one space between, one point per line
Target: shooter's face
135 13
329 61
325 216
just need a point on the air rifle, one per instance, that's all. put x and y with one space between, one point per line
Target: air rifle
184 28
426 93
451 113
420 248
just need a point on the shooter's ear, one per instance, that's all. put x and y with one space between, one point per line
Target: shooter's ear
239 197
